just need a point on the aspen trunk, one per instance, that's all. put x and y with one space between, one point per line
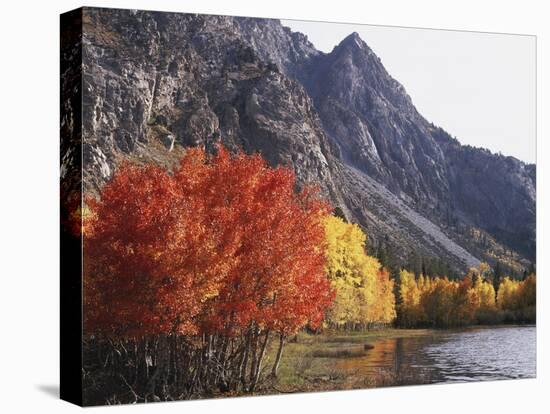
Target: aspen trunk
259 363
242 370
279 355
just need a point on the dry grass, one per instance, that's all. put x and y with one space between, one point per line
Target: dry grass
340 352
319 362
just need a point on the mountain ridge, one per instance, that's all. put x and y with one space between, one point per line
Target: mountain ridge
155 83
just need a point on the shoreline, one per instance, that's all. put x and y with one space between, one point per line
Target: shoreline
339 360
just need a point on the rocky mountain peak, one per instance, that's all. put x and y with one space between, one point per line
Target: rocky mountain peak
353 42
156 83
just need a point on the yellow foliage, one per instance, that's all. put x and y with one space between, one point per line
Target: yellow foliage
507 294
515 294
443 303
484 295
409 294
364 291
528 296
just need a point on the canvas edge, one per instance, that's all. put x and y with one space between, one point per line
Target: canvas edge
70 374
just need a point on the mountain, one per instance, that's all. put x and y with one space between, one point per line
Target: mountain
156 83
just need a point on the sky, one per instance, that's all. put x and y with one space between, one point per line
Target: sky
479 87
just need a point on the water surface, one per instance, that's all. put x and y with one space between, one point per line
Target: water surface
473 354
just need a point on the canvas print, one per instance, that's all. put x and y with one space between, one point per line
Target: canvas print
254 206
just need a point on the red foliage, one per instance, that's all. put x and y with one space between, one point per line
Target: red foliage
221 244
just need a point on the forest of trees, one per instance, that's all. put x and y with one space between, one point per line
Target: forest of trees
440 302
191 275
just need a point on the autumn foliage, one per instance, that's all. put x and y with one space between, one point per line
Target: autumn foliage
217 245
364 290
191 275
518 296
223 248
440 302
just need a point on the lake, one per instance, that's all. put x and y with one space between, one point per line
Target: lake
473 354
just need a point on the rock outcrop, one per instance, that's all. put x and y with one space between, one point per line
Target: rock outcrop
156 83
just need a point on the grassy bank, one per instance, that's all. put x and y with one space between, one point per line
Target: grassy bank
328 361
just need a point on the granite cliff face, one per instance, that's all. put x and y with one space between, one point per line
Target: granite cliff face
378 130
374 123
155 83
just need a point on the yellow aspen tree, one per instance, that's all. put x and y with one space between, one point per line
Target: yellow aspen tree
409 299
506 297
363 296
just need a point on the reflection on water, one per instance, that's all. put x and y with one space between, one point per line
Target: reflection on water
449 356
